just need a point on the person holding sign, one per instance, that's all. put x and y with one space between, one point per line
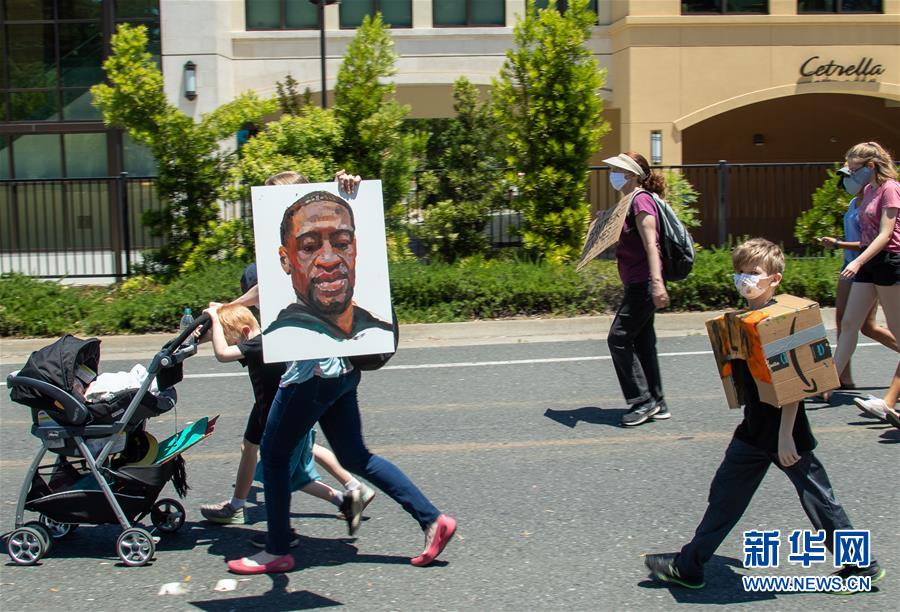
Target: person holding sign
318 249
632 338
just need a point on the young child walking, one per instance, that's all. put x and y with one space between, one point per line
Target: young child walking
768 435
236 336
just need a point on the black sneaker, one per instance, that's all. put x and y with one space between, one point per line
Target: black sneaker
640 413
662 567
663 413
352 508
259 540
874 571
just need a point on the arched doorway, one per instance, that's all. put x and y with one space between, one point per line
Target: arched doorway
794 131
800 128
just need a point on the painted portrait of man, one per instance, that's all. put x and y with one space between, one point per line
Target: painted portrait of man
318 252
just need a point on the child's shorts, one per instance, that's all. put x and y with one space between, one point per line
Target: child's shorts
882 270
303 464
256 424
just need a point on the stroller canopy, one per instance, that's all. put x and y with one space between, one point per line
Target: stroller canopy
56 364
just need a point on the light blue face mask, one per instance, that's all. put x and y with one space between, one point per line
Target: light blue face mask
857 180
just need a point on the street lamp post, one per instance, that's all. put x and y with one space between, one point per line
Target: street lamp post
321 4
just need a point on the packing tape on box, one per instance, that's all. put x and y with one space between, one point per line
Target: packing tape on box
795 340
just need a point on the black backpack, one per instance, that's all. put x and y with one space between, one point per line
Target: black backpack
675 243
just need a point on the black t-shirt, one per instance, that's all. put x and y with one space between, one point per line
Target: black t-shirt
762 421
263 376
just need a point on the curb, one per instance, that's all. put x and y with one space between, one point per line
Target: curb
14 351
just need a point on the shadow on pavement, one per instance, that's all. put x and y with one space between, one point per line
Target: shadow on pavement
587 414
279 599
723 586
891 436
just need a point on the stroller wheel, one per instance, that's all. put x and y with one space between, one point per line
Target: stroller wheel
135 546
26 546
167 515
44 533
56 529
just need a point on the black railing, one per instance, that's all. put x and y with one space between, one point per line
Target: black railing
737 199
733 200
75 228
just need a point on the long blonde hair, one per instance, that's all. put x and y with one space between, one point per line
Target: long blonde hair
866 152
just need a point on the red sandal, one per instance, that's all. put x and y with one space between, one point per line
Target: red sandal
284 563
437 537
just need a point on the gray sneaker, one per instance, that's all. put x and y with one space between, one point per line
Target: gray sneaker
223 513
352 510
640 413
663 413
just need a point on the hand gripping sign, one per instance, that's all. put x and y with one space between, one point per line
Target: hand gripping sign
784 345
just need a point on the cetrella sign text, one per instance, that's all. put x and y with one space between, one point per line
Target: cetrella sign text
816 67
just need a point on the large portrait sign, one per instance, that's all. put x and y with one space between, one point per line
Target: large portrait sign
604 230
321 259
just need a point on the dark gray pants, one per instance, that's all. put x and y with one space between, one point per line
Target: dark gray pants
632 344
733 487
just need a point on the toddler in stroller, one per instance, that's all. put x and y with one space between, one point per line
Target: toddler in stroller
108 468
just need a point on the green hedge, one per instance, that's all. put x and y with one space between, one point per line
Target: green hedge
469 289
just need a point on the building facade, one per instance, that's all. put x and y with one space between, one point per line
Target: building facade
785 80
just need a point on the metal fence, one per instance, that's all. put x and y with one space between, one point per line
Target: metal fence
734 200
85 228
75 228
737 199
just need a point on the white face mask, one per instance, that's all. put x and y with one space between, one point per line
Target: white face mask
617 180
748 284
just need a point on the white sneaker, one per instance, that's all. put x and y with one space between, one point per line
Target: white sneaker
872 406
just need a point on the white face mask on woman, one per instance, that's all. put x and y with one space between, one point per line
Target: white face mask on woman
617 180
748 284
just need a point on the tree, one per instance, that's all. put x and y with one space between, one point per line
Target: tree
373 143
547 99
462 191
826 216
191 165
305 143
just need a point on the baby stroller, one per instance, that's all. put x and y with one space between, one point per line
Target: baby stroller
108 469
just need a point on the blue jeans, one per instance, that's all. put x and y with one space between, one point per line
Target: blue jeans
333 403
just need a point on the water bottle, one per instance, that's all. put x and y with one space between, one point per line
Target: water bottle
187 320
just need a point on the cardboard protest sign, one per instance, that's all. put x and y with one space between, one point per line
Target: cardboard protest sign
321 258
604 231
784 345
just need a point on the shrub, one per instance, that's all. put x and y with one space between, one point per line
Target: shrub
826 216
472 288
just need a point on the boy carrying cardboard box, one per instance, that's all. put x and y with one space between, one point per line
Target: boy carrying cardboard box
748 352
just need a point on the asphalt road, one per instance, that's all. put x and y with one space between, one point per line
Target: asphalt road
555 501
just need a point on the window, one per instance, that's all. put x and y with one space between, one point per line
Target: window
463 13
725 6
51 53
839 6
563 4
281 15
39 156
396 13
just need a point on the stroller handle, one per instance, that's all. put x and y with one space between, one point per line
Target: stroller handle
74 412
203 322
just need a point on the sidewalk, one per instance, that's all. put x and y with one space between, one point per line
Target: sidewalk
469 333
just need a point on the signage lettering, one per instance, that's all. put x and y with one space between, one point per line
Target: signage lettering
865 68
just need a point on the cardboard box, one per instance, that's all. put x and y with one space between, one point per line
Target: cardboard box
784 345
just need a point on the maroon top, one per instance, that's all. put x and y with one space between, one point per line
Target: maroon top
630 254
